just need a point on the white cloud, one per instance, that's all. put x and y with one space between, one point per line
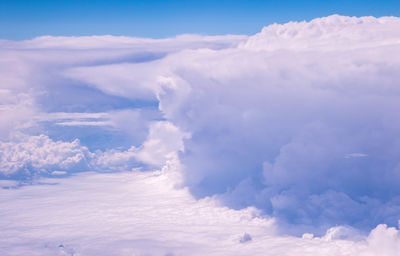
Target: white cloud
191 41
300 120
32 80
16 110
130 81
75 119
288 113
326 34
40 154
26 156
355 155
133 213
163 143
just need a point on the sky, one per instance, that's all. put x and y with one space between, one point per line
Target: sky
275 137
156 19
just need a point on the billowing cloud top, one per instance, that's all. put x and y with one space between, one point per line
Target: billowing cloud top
300 120
330 33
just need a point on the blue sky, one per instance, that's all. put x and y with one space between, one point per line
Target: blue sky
154 18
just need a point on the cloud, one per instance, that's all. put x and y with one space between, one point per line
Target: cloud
28 156
355 155
15 114
326 34
163 143
143 214
137 44
271 127
34 82
299 120
40 154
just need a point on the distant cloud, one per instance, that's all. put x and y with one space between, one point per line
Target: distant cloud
355 155
27 156
39 154
327 34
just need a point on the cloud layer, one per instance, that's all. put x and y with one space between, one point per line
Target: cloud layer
132 213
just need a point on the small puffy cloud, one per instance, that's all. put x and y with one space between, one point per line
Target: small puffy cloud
39 154
25 156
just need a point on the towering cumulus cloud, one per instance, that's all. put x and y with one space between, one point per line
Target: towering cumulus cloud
301 120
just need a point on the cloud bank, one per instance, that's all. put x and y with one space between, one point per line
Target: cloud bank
300 120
